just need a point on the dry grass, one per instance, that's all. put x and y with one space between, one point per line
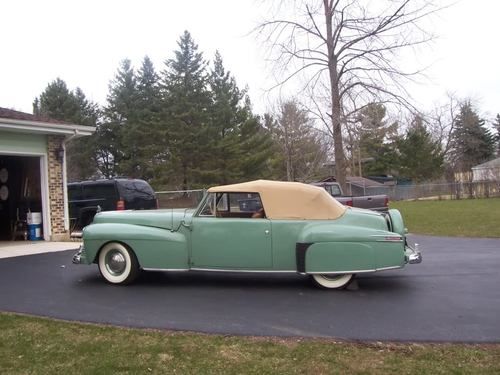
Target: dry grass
41 346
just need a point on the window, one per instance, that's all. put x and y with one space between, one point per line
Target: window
100 191
233 205
334 190
208 207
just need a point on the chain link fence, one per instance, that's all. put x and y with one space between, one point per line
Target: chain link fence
179 198
458 190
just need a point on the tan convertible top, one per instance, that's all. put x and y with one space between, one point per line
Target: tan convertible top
289 200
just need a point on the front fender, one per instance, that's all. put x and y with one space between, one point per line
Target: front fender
154 247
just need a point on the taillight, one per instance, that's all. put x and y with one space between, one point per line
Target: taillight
349 203
120 205
386 202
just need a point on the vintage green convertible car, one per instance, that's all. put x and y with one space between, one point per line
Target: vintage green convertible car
258 226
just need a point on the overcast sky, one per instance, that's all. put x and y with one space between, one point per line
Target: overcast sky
82 42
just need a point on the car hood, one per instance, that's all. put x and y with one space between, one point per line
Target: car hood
167 219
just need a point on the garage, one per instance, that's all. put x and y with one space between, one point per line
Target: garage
33 193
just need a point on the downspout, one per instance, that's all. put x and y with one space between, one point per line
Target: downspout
65 179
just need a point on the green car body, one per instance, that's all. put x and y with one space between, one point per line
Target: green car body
231 240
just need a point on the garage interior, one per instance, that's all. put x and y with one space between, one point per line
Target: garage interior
20 193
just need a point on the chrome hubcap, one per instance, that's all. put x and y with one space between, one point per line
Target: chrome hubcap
115 262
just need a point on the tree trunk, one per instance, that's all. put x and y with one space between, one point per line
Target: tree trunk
338 147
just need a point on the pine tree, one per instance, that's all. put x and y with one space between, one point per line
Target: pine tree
473 144
376 140
229 110
144 134
59 103
186 101
118 147
81 152
496 125
256 150
420 157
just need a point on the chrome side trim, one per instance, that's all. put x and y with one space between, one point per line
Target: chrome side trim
248 271
166 269
355 271
395 238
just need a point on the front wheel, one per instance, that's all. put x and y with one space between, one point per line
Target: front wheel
118 264
332 281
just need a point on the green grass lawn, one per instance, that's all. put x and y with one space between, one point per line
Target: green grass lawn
464 218
41 346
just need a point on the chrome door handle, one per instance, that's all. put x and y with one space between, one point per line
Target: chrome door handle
266 231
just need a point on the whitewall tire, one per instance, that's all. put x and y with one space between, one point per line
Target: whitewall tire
332 281
118 264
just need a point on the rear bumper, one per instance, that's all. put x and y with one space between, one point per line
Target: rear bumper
412 255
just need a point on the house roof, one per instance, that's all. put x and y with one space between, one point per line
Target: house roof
289 200
495 163
363 182
354 180
11 120
17 115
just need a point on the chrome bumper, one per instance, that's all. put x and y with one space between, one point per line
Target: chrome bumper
78 257
412 255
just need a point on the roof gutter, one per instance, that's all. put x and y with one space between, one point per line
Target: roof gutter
71 130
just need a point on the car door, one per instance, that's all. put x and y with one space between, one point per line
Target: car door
225 236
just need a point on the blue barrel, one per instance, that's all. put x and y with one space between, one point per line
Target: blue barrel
34 232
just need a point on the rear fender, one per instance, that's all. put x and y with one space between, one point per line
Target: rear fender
397 223
324 248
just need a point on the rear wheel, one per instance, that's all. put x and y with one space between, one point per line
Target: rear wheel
118 264
326 281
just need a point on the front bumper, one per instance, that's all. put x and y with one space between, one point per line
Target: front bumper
412 255
79 257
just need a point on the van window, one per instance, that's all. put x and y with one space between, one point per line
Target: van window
100 191
135 189
75 192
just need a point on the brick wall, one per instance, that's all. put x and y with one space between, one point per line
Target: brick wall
56 191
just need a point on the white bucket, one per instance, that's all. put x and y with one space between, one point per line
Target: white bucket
34 218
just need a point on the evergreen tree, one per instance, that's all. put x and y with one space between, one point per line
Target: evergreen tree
59 103
144 134
186 101
420 157
376 140
496 125
256 150
81 152
118 148
473 144
230 130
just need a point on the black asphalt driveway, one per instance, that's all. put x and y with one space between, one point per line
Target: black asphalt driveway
454 295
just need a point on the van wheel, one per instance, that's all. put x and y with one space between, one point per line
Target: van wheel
332 281
118 264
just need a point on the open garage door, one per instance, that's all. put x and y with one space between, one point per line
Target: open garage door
20 195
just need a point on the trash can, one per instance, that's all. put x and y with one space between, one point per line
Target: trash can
34 220
34 232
